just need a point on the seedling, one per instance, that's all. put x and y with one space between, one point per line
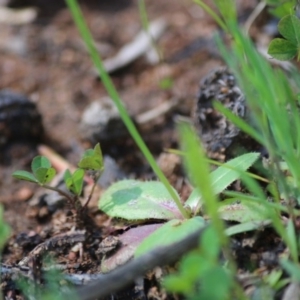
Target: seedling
288 47
139 201
43 173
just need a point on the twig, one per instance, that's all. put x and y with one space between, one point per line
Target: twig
256 12
111 282
126 274
62 240
137 47
156 112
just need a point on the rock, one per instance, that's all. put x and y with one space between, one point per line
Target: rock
220 137
101 122
111 173
20 120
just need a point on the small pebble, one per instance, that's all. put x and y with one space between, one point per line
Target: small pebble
101 122
24 194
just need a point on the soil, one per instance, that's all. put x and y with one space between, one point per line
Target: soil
47 61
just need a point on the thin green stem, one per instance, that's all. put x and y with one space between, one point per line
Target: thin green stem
96 178
218 20
61 192
145 24
112 92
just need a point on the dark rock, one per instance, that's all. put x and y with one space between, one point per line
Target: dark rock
20 120
220 137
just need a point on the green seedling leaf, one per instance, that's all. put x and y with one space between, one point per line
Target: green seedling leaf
282 49
74 182
223 176
289 28
171 232
40 162
92 159
137 200
24 175
68 179
244 227
78 180
44 175
282 10
244 212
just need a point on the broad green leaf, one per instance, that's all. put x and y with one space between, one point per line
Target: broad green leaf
45 175
40 162
223 176
137 200
244 212
171 232
289 28
24 175
92 159
282 49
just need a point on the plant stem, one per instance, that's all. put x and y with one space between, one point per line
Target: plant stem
112 92
217 19
95 179
61 192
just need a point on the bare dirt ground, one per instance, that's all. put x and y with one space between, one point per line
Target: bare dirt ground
47 61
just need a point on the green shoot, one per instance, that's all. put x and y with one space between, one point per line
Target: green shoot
111 90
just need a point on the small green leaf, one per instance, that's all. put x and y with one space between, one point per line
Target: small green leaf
137 200
74 182
44 175
289 28
282 49
90 163
223 176
40 162
78 181
24 175
68 179
282 10
171 232
92 159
